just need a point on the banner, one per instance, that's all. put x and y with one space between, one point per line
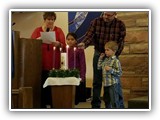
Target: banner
80 21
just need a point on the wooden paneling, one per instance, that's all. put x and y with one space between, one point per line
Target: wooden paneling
27 60
22 98
63 96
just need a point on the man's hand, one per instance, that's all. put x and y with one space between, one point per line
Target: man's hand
81 45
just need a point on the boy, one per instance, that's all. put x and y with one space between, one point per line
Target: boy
111 72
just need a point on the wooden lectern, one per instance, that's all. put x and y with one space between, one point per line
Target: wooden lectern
27 69
63 91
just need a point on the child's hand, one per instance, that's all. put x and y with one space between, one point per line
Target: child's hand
107 68
102 55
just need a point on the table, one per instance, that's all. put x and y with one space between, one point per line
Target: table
63 91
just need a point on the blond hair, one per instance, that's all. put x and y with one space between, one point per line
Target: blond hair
112 45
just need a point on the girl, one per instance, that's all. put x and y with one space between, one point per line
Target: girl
76 60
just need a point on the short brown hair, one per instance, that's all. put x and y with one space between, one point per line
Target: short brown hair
49 14
112 45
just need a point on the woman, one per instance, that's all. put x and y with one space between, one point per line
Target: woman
50 52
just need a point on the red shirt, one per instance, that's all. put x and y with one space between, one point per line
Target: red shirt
50 57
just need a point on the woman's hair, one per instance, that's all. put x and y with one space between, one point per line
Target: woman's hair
112 45
49 14
72 34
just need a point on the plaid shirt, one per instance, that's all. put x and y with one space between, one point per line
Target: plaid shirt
112 76
101 32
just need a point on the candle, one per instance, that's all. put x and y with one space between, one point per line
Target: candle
54 48
60 49
63 61
67 47
74 57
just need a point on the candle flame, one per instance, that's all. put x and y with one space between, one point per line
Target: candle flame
54 48
60 49
67 46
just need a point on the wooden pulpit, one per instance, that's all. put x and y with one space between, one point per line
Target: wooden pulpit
27 66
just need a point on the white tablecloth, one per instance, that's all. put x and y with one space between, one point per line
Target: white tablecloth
61 81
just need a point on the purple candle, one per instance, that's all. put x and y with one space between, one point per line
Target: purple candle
74 57
54 51
67 47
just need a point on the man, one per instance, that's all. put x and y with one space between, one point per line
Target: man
102 30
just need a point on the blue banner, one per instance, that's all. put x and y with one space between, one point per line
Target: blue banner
80 21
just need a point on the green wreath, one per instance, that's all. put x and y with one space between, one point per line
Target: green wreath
64 73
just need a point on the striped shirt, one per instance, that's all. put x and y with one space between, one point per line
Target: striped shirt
101 32
112 76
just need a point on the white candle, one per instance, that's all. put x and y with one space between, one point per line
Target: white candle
74 57
54 48
67 47
63 61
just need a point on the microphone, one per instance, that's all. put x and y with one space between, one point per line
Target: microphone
47 30
13 23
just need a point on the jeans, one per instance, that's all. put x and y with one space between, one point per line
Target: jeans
97 82
111 97
120 94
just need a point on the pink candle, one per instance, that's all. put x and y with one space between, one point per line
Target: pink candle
54 48
74 57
